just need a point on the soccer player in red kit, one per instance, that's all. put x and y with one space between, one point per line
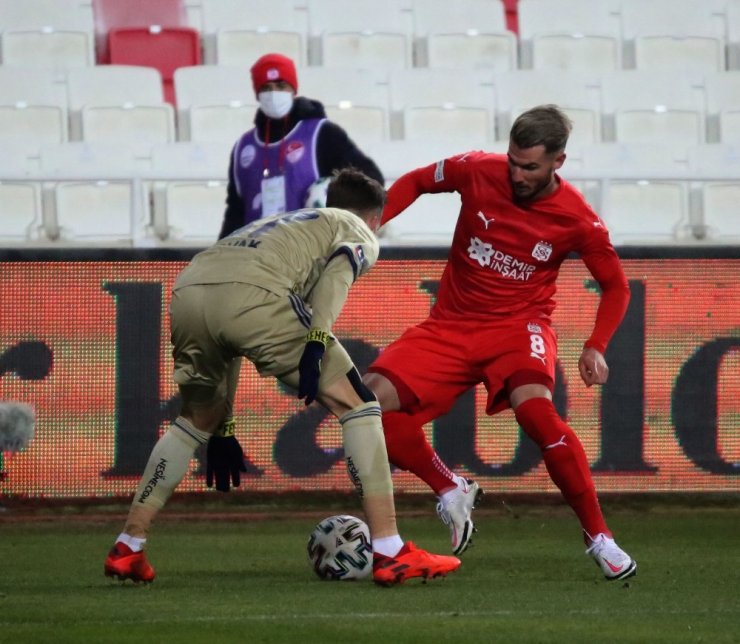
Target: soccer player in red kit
491 321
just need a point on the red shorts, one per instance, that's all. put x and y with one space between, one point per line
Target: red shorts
435 362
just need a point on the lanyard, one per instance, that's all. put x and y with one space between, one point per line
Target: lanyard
281 150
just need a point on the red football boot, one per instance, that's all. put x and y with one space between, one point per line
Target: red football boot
124 563
411 562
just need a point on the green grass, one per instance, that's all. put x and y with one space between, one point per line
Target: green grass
226 578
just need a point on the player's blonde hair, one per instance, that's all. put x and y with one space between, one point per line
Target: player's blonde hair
544 125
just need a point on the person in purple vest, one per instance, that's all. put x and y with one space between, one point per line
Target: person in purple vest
293 144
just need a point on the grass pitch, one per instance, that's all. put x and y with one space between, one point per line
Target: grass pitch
225 574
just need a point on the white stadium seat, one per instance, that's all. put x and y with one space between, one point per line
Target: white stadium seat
576 35
235 33
673 35
20 212
733 33
358 100
644 191
373 33
189 192
442 104
92 194
473 35
646 107
119 103
577 94
33 106
214 103
46 33
722 91
716 170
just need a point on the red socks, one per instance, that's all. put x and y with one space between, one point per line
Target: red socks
409 449
565 460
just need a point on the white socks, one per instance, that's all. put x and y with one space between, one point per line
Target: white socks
388 546
135 543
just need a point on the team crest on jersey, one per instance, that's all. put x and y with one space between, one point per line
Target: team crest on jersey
360 252
542 251
534 328
294 151
246 156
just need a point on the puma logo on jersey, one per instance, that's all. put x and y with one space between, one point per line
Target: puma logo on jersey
538 356
485 220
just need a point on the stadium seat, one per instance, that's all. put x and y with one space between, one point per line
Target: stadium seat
190 160
193 212
119 103
473 35
118 14
442 104
214 103
358 100
429 221
20 212
666 35
46 33
20 159
578 94
720 221
83 160
62 14
33 106
641 106
722 91
713 161
395 158
733 34
47 47
715 169
94 193
164 48
575 35
188 192
94 212
375 33
237 34
643 191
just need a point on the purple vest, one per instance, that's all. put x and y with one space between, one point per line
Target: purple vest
294 157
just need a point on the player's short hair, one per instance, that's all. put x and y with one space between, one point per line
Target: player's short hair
542 125
353 190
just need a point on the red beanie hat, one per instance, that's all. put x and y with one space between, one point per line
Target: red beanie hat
273 67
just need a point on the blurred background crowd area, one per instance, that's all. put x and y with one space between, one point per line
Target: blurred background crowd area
117 116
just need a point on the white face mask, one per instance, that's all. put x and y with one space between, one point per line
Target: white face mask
275 104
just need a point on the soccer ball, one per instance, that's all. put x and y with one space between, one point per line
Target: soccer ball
339 548
316 193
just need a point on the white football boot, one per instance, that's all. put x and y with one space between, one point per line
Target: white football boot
614 562
455 509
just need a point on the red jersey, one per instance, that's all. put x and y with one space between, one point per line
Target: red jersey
505 256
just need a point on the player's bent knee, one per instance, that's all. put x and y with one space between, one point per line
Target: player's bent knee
205 407
359 386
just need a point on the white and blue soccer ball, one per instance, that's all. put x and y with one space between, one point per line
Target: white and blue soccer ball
316 193
339 548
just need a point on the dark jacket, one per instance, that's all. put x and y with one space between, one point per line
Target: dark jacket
334 151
